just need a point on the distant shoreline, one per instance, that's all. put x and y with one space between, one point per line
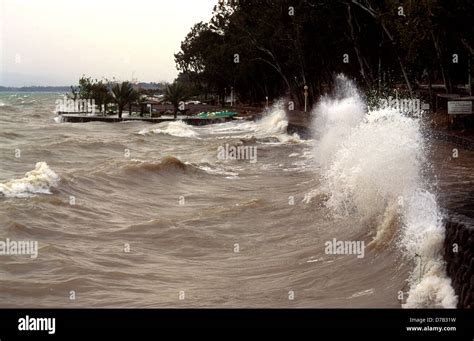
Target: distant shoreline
67 88
35 89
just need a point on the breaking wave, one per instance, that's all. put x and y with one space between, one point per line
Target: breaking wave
175 128
372 164
38 181
272 125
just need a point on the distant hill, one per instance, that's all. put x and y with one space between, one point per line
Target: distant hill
152 86
35 89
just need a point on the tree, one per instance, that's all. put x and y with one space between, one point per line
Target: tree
101 95
90 89
283 45
122 94
175 94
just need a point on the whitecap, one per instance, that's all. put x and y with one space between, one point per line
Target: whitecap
38 181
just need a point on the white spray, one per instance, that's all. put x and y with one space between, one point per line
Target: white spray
372 164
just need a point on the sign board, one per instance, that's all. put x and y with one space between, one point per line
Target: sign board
459 107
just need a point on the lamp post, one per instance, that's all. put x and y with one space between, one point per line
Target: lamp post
305 98
266 97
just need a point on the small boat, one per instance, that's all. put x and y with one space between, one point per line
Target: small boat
216 114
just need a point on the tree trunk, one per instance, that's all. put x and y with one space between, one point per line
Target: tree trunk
377 17
275 64
355 45
440 62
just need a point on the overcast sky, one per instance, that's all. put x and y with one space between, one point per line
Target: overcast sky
54 42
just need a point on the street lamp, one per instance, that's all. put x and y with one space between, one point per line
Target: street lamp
266 97
305 98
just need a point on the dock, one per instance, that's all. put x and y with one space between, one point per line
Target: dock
195 121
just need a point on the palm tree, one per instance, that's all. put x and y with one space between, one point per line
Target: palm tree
176 93
123 94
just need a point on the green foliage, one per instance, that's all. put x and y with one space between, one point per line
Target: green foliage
176 93
123 94
283 45
90 89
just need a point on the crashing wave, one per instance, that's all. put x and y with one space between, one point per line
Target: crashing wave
372 165
175 128
38 181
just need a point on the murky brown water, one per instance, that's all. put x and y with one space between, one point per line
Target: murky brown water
148 216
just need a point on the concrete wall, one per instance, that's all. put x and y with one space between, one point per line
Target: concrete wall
460 264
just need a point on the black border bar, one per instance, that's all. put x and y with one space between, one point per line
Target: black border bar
121 322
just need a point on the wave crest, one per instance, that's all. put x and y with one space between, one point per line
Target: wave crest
175 128
38 181
167 164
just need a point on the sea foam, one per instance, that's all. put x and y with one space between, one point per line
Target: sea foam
175 128
38 181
